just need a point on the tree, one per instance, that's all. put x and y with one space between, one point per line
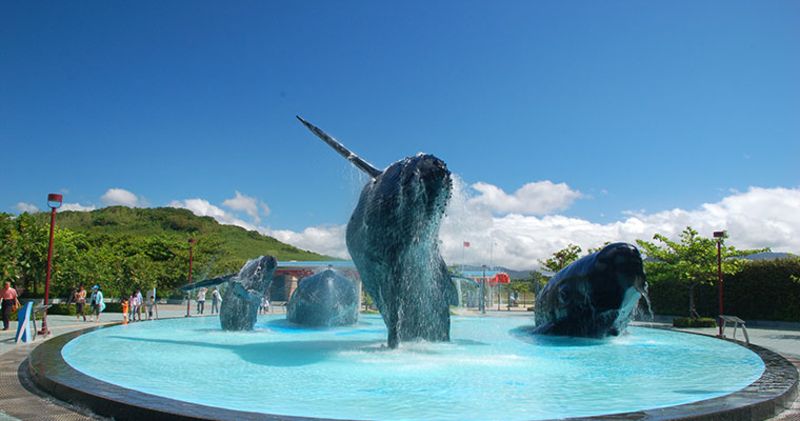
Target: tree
536 282
32 257
9 248
691 261
562 258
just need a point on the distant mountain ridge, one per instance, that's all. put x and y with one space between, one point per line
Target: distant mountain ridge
117 221
770 255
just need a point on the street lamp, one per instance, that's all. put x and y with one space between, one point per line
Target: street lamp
720 236
482 300
54 202
192 241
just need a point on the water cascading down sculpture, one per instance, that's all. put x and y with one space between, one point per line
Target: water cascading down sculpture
239 309
326 299
595 296
392 237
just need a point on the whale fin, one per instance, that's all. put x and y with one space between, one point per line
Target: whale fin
343 151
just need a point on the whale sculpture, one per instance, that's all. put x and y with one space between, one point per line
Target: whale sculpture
245 291
392 237
594 296
324 300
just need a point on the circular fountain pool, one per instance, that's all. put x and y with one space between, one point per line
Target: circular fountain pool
492 369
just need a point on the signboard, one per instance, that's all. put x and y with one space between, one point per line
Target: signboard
23 323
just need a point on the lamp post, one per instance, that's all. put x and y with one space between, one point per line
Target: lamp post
54 202
192 241
720 235
482 300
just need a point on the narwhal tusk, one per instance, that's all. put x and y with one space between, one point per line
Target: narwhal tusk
343 151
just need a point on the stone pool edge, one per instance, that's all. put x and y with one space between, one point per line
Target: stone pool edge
773 392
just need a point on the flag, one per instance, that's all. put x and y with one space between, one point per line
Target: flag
466 243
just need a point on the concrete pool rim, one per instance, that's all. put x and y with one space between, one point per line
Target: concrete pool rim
773 392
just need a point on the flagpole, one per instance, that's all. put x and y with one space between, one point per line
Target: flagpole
491 255
463 253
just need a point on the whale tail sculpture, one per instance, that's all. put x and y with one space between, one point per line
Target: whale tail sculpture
594 296
239 309
392 237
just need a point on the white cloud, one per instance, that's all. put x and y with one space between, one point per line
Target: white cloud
122 197
27 207
759 217
202 207
539 198
327 240
77 207
756 218
249 205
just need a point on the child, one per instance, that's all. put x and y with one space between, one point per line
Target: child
124 310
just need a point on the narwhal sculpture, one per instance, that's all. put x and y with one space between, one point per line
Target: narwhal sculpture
392 237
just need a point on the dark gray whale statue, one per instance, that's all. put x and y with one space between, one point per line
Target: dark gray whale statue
594 296
243 296
392 237
324 300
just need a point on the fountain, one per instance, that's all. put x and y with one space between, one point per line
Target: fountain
485 368
492 368
594 296
393 237
245 291
324 300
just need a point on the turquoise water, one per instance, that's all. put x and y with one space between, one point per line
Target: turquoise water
492 369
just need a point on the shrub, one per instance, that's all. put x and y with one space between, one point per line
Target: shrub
690 322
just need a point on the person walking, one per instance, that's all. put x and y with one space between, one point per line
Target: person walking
216 300
264 304
139 303
132 307
201 300
97 303
10 303
80 302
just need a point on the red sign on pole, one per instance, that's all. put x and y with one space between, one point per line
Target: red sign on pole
500 278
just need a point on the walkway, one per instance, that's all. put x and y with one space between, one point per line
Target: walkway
20 400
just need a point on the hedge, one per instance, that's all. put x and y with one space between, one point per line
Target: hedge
63 309
113 308
763 290
689 322
71 310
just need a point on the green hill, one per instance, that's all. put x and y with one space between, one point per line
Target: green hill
120 221
126 248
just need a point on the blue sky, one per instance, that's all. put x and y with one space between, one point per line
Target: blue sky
638 108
